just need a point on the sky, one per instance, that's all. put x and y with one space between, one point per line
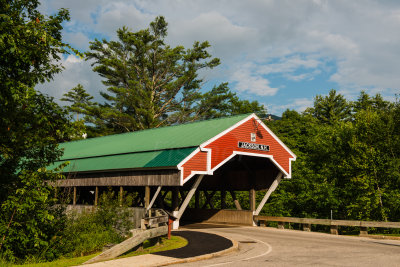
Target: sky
280 53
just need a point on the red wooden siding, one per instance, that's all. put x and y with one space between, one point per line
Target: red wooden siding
197 163
224 146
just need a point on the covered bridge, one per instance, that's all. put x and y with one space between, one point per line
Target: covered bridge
238 153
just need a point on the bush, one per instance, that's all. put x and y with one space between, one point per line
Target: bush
89 232
30 222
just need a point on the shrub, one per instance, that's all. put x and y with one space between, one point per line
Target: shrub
89 232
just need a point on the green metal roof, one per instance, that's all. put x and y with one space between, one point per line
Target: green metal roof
160 158
158 147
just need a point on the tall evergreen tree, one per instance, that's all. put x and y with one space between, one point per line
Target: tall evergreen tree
331 108
150 84
79 100
146 79
220 101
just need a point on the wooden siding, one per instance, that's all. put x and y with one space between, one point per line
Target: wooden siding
224 146
127 178
197 163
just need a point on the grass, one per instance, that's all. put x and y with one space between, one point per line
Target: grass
395 235
61 262
148 248
174 243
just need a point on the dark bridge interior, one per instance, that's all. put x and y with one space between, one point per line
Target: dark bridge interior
241 173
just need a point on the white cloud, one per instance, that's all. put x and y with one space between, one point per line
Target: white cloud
76 71
115 15
257 39
78 40
228 40
298 104
247 82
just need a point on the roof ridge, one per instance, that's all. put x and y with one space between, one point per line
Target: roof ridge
152 129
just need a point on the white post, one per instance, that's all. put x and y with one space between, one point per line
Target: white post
185 203
271 189
154 198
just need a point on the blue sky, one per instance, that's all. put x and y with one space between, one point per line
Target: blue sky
281 53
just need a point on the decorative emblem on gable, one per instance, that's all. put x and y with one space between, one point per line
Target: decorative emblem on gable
253 137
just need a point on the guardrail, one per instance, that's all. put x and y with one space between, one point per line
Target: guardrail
154 217
307 222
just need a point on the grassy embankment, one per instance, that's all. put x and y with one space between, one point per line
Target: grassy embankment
174 243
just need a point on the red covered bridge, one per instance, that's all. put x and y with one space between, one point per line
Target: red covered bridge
175 163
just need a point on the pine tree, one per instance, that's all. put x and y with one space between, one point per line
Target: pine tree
79 100
146 79
331 108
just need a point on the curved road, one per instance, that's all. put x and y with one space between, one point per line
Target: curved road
262 246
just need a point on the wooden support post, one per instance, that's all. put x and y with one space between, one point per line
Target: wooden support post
281 225
237 204
252 199
271 189
363 231
307 227
74 199
96 195
175 199
189 196
208 199
197 199
334 230
146 196
154 198
121 194
223 199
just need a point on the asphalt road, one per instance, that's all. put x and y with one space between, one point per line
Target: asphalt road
262 246
196 247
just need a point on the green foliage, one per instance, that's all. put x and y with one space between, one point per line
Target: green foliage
220 101
30 222
90 232
85 235
150 84
348 160
331 108
31 126
78 98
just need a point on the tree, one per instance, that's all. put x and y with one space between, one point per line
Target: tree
150 84
347 164
78 98
220 101
31 125
331 108
80 101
